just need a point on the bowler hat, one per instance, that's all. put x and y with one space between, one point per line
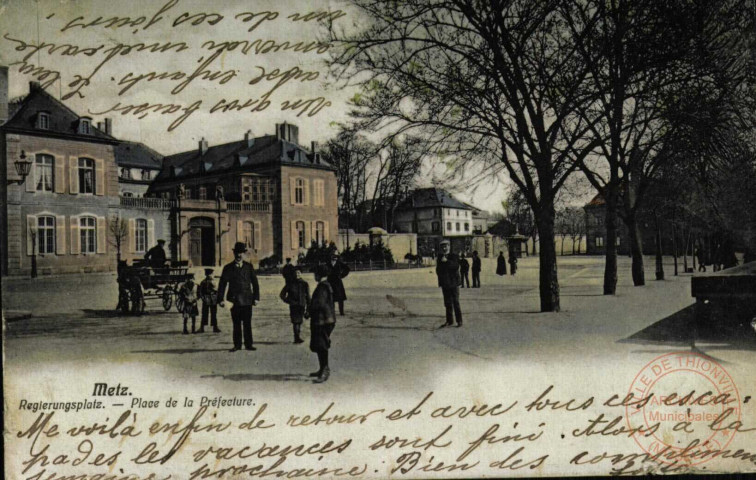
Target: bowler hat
208 271
240 247
161 241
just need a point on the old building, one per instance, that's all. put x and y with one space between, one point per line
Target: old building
57 215
268 192
138 166
434 214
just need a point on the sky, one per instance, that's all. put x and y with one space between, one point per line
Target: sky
114 63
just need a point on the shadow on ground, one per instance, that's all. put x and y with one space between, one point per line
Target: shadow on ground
181 351
677 330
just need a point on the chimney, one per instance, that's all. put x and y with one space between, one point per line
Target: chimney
34 86
249 138
203 146
3 94
314 147
288 132
100 126
279 130
109 126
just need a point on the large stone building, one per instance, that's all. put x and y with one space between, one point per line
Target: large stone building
91 197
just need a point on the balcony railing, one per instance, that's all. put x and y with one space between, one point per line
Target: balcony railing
147 203
248 206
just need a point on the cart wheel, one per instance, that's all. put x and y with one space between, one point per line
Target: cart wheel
179 304
167 299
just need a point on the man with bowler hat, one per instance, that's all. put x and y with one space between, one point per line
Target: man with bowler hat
243 292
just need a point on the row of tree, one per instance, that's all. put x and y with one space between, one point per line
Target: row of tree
619 90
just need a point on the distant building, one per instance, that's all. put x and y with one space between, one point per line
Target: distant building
595 227
138 166
434 214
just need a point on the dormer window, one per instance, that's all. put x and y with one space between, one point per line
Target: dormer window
85 126
43 121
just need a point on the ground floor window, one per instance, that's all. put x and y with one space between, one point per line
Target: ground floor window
599 241
88 234
141 235
320 233
249 235
301 234
46 234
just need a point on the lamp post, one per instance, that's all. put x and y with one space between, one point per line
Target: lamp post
23 168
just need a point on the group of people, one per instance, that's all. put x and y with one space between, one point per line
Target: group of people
452 272
239 285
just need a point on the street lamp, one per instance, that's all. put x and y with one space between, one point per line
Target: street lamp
23 168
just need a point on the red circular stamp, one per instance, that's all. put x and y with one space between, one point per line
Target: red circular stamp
683 403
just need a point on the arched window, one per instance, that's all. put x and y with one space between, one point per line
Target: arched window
86 175
46 234
45 167
299 191
140 235
301 234
88 234
320 233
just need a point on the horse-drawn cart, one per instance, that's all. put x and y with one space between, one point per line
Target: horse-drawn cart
140 283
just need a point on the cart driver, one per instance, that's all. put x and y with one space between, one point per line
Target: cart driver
156 256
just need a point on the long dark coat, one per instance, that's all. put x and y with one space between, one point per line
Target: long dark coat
322 317
501 265
335 275
448 271
243 289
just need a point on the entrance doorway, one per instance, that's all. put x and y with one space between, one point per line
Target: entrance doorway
202 241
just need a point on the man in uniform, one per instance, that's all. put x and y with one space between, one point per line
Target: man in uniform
447 270
156 256
243 292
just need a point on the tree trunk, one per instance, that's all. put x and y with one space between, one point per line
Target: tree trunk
548 281
610 246
562 245
674 245
659 263
636 250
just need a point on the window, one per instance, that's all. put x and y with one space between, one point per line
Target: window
299 192
467 227
125 173
448 226
458 225
617 242
85 126
319 199
202 193
146 175
248 233
46 235
436 227
88 234
140 235
246 190
320 233
301 234
599 241
457 213
127 194
436 212
86 175
43 120
45 166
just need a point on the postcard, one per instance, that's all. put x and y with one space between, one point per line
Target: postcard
377 239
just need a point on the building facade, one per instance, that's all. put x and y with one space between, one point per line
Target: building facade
91 198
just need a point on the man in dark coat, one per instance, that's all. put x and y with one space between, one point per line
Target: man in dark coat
322 322
476 269
209 296
338 270
512 263
464 268
243 292
447 270
501 265
288 271
156 256
297 295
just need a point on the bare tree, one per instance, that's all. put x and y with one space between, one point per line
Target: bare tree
399 168
119 229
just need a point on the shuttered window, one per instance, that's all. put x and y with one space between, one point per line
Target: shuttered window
44 173
88 234
46 234
86 175
140 235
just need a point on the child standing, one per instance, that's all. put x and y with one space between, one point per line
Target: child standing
322 322
189 298
209 295
297 294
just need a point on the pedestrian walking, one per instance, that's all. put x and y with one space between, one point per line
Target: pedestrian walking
189 303
288 271
447 271
501 265
338 270
476 269
297 295
512 263
243 292
322 322
464 268
701 259
209 296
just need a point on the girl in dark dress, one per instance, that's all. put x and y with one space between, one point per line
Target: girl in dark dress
501 265
322 322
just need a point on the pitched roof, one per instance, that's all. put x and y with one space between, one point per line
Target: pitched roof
135 154
431 197
63 122
596 201
239 155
